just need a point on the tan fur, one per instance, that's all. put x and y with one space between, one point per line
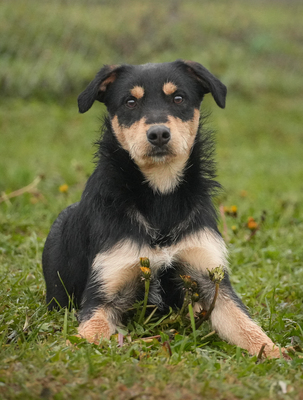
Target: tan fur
97 327
205 251
201 251
163 174
237 328
169 88
164 178
120 264
107 81
137 92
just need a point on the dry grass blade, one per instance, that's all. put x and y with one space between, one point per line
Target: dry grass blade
26 189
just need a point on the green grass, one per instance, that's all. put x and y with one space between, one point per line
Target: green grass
255 48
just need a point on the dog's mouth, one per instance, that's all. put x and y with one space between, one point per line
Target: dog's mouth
159 152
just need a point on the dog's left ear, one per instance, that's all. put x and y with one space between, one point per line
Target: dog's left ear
97 87
209 82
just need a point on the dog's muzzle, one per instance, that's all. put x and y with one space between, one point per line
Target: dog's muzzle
158 135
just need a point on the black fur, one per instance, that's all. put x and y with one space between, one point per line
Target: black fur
101 218
117 188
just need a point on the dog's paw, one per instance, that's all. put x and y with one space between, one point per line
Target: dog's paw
96 328
92 335
275 352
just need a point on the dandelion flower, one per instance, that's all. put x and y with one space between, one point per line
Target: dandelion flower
252 224
146 272
63 188
234 210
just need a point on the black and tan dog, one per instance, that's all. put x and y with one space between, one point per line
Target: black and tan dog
149 196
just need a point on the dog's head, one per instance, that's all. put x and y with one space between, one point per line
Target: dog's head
154 108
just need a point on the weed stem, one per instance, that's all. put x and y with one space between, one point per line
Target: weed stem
147 284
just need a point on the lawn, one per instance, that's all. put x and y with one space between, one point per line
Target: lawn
49 51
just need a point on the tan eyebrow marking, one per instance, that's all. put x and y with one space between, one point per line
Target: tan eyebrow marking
137 92
169 88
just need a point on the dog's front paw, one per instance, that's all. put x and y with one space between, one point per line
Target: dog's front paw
96 328
94 331
274 352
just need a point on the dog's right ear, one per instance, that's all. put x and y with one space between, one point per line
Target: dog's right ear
208 82
97 87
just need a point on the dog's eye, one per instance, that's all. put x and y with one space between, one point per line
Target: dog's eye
131 102
178 99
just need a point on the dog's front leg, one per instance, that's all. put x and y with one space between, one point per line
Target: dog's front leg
112 288
229 318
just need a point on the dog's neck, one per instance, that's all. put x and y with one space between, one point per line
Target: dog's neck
164 177
119 183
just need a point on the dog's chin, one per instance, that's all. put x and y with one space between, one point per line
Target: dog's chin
159 155
154 157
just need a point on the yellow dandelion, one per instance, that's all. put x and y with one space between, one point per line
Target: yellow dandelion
234 209
63 188
146 272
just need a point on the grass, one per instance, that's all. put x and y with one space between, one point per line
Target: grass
255 49
50 48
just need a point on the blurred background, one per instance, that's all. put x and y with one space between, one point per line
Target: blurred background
50 50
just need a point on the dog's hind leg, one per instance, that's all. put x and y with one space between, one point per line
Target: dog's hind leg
229 317
65 266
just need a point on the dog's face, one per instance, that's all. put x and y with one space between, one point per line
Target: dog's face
154 108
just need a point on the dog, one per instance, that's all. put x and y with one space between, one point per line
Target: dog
150 195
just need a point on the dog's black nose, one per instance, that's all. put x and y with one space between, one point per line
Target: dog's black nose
158 135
